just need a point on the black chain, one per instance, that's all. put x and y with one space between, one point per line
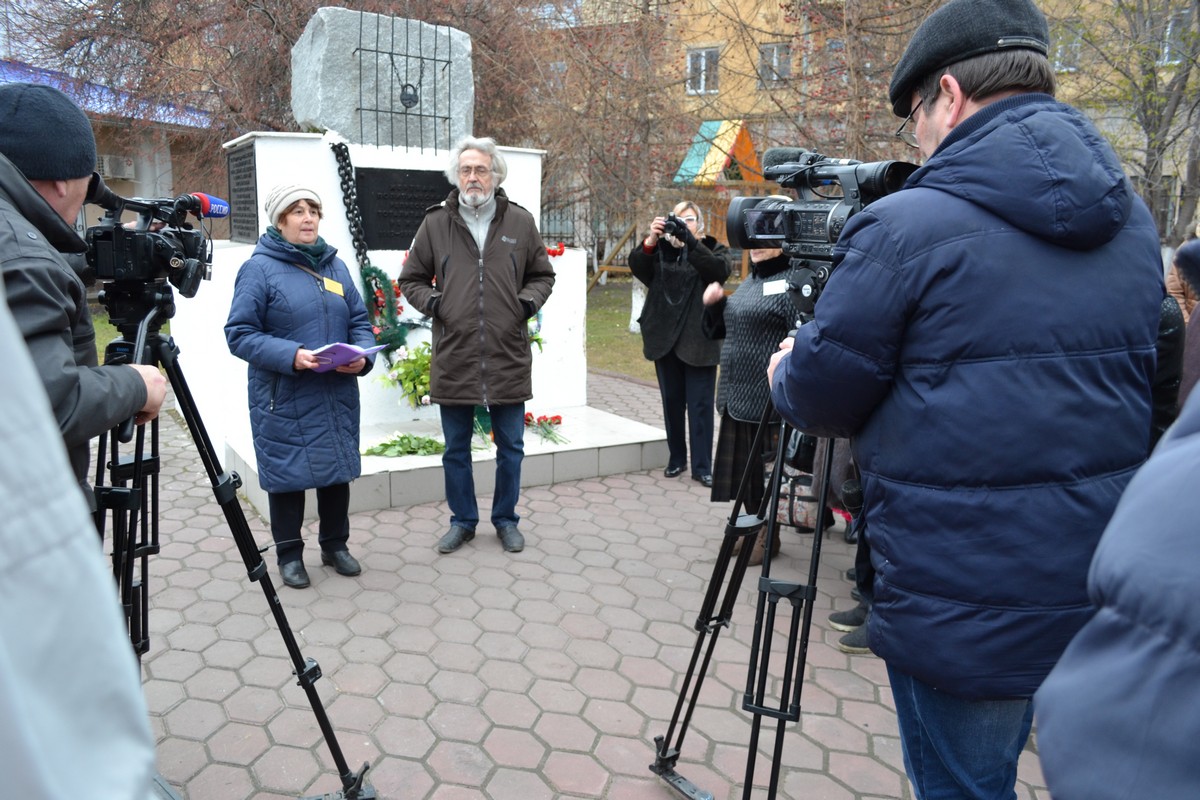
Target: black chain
350 197
379 293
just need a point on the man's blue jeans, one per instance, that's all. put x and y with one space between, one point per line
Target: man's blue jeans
957 749
508 426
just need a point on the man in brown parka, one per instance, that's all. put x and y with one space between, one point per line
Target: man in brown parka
479 268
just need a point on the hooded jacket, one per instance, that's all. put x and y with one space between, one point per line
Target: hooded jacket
987 337
479 301
50 306
305 424
1117 715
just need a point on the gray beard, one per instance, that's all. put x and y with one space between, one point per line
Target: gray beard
476 200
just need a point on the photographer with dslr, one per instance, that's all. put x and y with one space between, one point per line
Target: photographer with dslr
676 265
49 154
987 339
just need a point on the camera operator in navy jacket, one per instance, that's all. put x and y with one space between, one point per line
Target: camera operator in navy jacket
987 339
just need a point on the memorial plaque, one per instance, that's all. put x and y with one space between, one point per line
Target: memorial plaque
243 195
393 202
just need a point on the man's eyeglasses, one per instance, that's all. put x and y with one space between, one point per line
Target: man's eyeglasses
907 136
466 172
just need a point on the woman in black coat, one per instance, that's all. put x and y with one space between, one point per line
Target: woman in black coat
675 269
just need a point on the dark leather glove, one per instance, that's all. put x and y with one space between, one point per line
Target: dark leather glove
433 306
527 307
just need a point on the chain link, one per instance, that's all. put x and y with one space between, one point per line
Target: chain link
350 197
379 292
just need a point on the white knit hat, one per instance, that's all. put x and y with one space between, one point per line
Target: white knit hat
283 196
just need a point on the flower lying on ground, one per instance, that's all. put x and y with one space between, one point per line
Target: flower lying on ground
406 444
546 427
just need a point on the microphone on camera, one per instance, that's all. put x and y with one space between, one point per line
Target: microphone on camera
204 205
784 155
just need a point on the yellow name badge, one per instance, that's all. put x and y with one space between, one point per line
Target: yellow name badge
333 286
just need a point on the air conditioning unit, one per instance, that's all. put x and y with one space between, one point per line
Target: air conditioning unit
116 167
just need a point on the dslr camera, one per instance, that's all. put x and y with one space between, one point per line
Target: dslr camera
674 226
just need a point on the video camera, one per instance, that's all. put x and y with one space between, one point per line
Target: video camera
148 252
830 191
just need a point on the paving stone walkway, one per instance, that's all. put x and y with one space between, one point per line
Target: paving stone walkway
544 674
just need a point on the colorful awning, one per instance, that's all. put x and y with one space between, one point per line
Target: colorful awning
718 145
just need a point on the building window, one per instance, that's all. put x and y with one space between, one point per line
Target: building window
1067 47
1175 38
702 70
774 63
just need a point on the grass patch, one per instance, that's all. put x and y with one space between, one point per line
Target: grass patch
610 345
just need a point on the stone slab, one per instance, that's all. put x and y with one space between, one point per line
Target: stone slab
353 72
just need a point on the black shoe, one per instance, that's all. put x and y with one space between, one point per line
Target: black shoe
342 562
852 574
849 620
855 642
454 539
706 479
672 472
511 539
294 574
856 594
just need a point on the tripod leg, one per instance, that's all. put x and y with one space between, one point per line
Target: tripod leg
799 599
715 612
225 486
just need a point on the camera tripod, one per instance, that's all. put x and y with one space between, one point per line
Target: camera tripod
775 597
131 495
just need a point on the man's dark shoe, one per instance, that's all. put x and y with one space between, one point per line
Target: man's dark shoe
511 539
454 539
342 562
855 642
849 620
294 574
706 479
672 472
852 574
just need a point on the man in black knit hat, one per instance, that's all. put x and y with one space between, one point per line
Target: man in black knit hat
47 156
987 341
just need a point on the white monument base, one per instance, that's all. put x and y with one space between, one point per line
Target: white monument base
600 443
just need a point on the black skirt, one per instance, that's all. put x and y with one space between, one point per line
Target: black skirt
736 454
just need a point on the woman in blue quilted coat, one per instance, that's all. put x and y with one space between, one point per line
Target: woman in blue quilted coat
292 297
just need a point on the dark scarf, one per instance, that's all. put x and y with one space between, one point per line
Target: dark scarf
312 252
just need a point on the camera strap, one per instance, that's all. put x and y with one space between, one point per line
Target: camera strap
328 284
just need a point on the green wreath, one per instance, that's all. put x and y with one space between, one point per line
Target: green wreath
379 292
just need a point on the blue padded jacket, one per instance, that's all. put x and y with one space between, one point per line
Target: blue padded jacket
305 424
987 340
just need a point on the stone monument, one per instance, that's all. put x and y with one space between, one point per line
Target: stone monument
383 81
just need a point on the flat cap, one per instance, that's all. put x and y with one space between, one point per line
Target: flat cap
962 29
